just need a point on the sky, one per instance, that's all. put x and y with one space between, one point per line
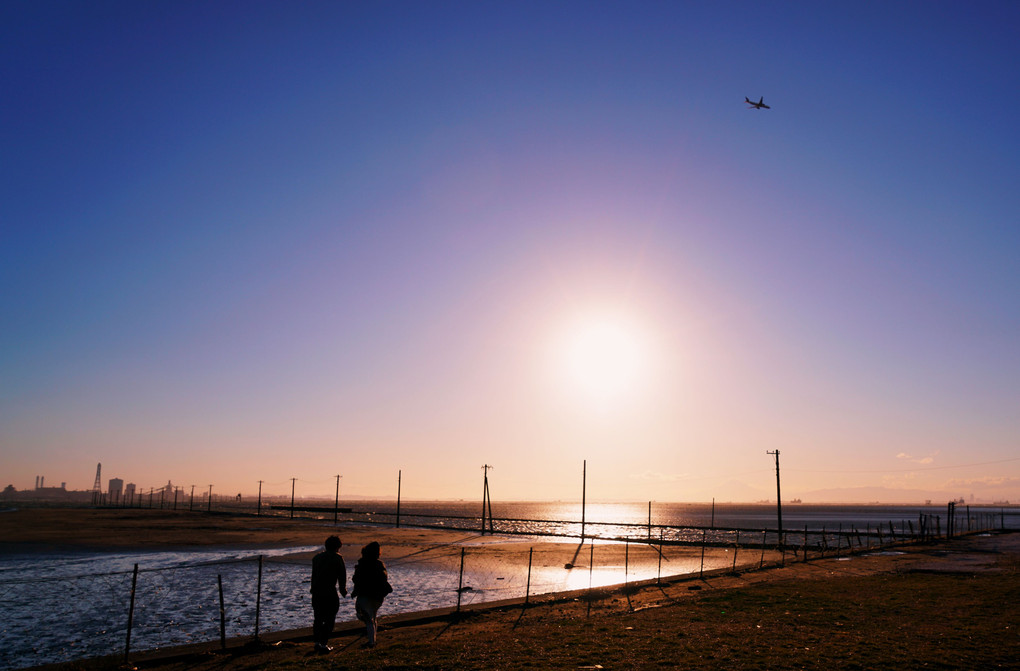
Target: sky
245 242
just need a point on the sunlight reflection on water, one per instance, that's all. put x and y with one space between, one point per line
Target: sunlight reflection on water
177 598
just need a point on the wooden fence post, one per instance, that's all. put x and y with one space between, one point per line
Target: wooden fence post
460 582
704 537
131 614
658 576
258 599
626 561
736 546
223 615
527 590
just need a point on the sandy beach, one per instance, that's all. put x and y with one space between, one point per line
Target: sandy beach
55 529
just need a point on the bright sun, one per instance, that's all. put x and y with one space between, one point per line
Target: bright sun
604 359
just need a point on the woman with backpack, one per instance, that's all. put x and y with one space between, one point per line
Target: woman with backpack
371 585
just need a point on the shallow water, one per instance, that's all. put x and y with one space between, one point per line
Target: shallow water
60 607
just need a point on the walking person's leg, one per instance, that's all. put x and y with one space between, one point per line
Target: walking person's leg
317 622
367 610
330 622
370 630
325 611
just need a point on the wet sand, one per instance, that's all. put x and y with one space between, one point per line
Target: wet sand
68 529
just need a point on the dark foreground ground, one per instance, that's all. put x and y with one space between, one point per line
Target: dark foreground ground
944 606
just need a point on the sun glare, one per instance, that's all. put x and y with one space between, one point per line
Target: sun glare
603 359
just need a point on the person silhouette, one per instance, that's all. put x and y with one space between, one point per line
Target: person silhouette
371 585
328 571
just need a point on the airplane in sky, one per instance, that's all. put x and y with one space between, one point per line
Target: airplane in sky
757 105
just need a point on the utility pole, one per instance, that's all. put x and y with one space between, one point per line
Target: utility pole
398 498
258 510
336 504
210 499
779 499
292 481
191 506
584 491
486 499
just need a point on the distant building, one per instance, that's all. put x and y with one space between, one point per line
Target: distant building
42 493
116 489
129 491
41 490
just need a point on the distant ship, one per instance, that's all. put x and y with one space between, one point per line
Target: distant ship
795 501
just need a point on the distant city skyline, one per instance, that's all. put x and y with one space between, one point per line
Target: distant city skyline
264 241
313 490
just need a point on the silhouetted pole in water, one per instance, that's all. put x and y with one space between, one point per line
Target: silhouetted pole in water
779 499
704 540
485 498
584 490
460 581
223 615
527 590
649 520
131 614
626 561
658 575
292 481
336 502
591 567
488 497
258 600
398 499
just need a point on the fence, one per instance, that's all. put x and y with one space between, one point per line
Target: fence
151 607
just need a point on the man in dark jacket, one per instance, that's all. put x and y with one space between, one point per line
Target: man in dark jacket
328 571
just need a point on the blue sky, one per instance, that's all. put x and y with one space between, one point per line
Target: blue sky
256 241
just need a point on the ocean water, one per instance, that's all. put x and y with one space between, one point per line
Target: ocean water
684 522
61 607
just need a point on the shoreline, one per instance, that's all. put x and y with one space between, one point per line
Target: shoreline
72 531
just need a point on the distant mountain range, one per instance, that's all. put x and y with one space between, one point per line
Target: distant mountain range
876 495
